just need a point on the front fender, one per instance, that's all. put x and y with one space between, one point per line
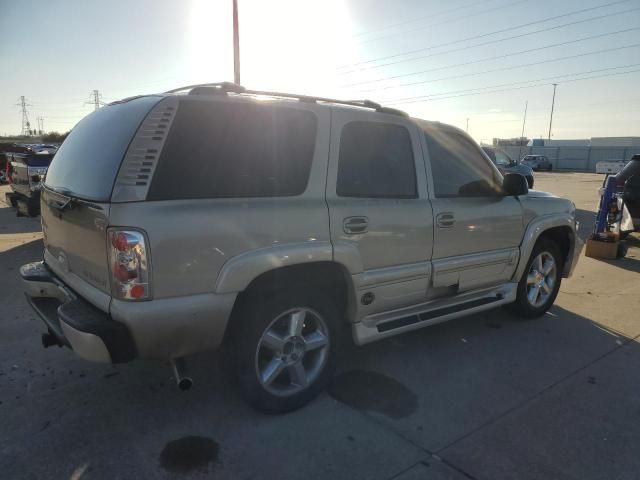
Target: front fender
536 228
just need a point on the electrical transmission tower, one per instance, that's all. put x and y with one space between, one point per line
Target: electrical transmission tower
40 122
26 125
96 99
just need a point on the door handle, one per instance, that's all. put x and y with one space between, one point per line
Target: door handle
355 225
445 220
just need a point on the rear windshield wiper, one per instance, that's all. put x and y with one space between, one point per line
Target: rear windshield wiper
70 200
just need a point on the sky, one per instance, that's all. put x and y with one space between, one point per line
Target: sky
462 62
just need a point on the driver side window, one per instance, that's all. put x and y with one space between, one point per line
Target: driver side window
458 167
502 159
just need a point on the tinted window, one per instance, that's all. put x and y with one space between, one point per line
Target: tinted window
376 160
87 162
220 149
502 159
458 167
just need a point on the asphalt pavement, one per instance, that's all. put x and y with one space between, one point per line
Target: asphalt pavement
483 397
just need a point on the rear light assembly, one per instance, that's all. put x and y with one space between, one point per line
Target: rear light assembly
129 264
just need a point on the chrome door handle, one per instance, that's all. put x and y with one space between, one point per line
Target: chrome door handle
445 220
355 225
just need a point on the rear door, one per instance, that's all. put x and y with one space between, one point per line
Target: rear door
477 229
380 215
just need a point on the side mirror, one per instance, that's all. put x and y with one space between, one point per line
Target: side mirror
515 184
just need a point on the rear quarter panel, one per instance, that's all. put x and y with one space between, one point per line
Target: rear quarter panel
191 240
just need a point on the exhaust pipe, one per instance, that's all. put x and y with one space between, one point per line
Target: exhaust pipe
50 340
183 380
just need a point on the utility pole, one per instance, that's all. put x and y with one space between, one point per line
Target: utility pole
467 124
26 125
96 99
40 122
236 45
524 120
553 102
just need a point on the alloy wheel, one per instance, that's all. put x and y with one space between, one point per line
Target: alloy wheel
292 352
541 279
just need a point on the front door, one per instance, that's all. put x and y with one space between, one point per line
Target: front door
380 215
478 229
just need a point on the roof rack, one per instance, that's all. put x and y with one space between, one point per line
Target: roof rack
228 87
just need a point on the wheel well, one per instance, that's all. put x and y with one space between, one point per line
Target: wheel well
330 277
561 236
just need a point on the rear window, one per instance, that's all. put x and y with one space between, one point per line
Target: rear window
87 162
223 149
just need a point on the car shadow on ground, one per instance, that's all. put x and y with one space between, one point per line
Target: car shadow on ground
437 387
10 223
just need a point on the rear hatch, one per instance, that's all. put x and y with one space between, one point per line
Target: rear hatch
77 192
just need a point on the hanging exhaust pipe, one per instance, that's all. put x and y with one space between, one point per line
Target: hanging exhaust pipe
183 380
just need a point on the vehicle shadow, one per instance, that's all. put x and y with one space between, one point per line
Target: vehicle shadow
435 386
10 223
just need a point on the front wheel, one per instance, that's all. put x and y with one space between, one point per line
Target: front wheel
540 282
285 348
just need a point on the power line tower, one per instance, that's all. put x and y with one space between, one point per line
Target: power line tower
96 99
26 125
40 122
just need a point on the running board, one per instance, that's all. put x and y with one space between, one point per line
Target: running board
430 314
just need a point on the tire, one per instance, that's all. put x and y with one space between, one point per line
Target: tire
263 343
11 199
523 306
530 181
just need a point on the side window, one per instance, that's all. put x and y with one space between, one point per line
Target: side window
376 161
502 159
229 149
458 168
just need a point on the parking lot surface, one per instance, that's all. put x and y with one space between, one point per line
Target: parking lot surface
483 397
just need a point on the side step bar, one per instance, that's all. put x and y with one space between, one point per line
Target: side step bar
411 319
388 324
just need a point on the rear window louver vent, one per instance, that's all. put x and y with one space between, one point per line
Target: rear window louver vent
142 156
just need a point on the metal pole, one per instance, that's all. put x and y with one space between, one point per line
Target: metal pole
467 124
524 120
553 102
236 45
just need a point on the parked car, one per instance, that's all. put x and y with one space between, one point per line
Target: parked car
209 217
628 183
537 162
508 165
25 170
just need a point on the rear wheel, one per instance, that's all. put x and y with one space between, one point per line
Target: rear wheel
285 348
540 282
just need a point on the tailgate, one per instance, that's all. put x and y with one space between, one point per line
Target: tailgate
75 241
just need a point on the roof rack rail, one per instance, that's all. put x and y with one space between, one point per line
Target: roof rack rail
228 87
222 87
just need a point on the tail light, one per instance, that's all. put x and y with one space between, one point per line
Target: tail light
129 263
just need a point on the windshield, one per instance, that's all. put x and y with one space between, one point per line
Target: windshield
87 163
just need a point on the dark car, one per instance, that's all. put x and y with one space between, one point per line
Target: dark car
537 162
628 183
508 165
26 169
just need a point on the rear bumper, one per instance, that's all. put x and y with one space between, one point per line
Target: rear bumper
163 328
74 322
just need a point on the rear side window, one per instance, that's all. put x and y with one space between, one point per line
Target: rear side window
458 167
376 161
87 162
220 149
